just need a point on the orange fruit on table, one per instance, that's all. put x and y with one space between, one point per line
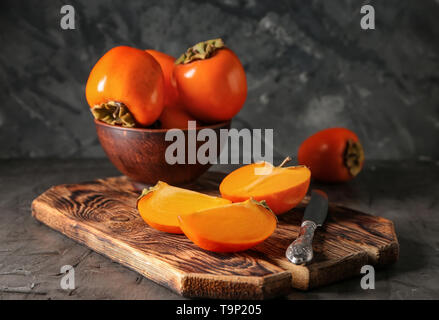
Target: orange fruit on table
229 228
282 188
211 81
160 206
333 155
126 86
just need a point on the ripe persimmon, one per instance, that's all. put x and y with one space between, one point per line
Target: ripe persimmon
333 155
126 87
211 81
167 64
282 188
229 228
161 204
175 117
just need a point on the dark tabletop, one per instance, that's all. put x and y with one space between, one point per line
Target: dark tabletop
31 254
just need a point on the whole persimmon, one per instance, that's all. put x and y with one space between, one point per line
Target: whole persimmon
173 114
211 81
333 155
175 117
167 64
126 87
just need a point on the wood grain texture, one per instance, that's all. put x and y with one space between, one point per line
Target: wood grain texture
101 214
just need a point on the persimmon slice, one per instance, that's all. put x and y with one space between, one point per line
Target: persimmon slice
229 228
282 188
160 205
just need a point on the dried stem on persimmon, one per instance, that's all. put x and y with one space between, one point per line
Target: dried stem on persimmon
200 51
353 157
285 161
114 113
288 159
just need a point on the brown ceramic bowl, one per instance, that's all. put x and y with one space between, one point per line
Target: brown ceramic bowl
139 153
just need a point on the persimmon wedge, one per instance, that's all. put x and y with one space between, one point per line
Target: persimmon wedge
282 188
160 205
230 228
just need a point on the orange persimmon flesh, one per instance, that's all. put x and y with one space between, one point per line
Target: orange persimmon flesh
160 205
229 228
282 188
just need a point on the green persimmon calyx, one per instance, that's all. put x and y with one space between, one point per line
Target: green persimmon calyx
264 205
200 51
114 113
146 191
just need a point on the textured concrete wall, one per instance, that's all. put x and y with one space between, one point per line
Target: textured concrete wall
309 65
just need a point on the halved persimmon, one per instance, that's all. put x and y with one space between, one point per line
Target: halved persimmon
161 204
229 228
282 188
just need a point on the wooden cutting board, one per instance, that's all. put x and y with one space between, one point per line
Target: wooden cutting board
101 214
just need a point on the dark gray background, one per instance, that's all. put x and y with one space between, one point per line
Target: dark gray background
309 66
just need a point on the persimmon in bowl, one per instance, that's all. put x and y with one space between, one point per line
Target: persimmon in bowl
137 96
140 153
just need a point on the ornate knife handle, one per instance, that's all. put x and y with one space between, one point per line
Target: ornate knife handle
300 251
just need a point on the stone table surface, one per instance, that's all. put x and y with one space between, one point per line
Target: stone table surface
31 254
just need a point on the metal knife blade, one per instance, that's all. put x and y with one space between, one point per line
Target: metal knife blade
300 251
317 208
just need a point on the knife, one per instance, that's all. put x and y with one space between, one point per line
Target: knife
300 251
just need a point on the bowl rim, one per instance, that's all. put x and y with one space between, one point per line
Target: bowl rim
161 130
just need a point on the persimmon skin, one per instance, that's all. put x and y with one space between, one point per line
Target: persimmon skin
279 201
175 117
323 153
129 76
213 89
173 114
167 64
213 246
